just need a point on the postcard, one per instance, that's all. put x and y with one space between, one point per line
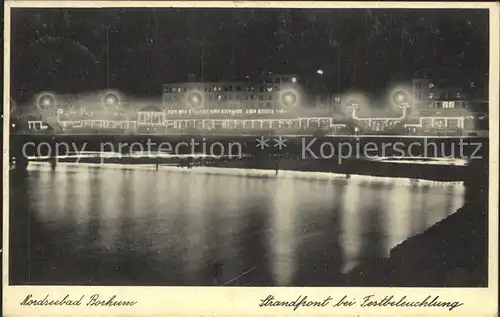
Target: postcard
250 158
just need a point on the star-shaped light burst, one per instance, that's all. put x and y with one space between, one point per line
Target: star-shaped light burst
262 142
280 143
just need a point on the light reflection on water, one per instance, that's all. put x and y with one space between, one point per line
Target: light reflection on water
99 225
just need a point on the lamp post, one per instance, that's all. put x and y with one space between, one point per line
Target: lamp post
353 107
401 99
320 88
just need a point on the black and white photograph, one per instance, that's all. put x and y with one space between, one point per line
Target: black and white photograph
250 147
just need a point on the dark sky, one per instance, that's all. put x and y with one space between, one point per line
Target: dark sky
141 49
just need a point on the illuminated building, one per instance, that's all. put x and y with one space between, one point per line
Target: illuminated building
272 103
228 97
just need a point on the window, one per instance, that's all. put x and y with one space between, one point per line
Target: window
238 88
448 104
230 97
261 89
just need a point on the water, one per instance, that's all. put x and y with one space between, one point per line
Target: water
101 225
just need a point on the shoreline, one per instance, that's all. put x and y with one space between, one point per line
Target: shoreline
255 172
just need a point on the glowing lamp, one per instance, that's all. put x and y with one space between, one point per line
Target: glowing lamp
46 101
401 98
111 99
289 99
195 99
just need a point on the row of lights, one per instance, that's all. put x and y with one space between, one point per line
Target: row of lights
194 99
288 98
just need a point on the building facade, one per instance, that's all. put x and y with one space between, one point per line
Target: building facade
266 92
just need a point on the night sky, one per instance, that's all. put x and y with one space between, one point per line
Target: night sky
73 50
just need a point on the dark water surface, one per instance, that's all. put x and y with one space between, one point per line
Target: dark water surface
102 225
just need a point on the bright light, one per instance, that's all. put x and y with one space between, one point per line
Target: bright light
319 72
294 80
195 99
46 101
401 98
289 99
111 99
